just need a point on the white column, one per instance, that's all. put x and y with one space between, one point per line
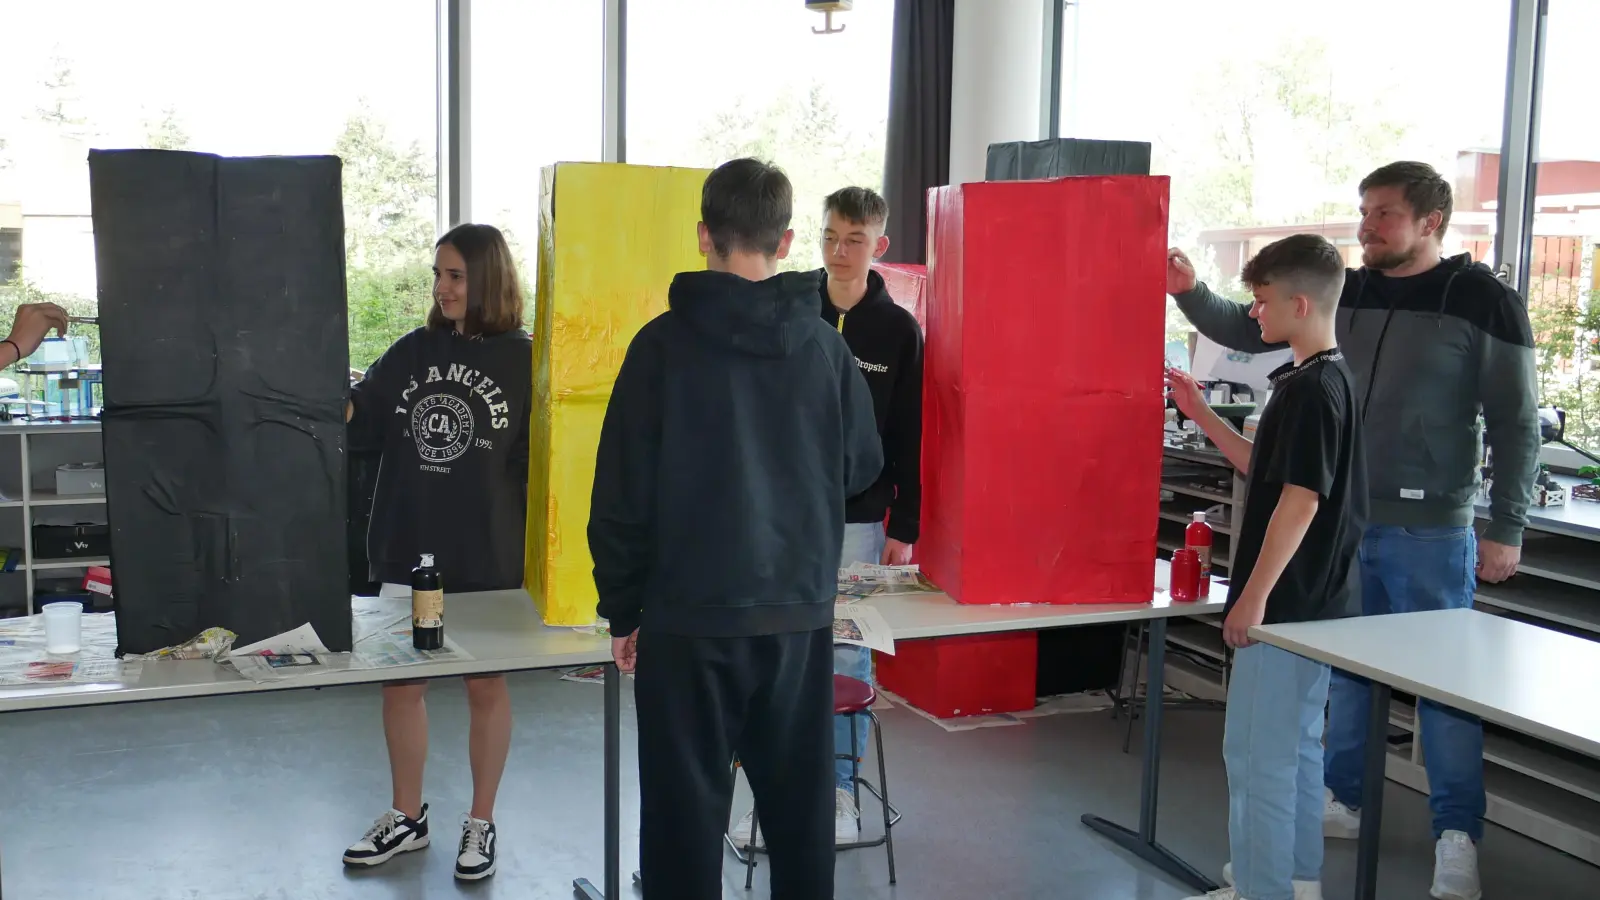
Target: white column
999 55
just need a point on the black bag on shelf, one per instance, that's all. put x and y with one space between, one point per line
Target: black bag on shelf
1060 157
223 332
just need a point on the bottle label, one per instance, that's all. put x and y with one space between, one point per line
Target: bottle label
1204 552
427 609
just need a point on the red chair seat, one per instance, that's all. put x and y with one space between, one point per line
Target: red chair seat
852 695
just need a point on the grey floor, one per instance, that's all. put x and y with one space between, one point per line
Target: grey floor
255 797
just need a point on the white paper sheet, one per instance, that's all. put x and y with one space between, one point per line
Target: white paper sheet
862 626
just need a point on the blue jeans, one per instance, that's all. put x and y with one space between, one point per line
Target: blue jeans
863 542
1272 746
1409 570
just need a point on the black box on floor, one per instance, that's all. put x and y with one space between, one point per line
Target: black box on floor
1060 157
223 333
1079 659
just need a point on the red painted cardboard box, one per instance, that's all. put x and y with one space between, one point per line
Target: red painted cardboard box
907 287
1042 391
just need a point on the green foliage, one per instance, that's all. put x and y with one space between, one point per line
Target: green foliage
1233 112
1566 333
389 229
166 132
802 133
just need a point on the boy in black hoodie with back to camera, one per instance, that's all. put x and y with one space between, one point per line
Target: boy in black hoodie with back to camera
737 427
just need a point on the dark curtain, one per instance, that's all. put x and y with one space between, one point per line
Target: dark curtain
918 153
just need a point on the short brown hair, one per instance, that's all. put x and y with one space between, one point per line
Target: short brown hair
494 292
859 205
1425 189
1301 263
746 205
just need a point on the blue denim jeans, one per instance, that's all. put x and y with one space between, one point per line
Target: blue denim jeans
1272 747
1409 570
863 542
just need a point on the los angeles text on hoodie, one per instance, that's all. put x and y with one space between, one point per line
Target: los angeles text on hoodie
737 427
1429 352
450 416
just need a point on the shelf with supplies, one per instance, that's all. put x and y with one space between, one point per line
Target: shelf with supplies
1195 480
53 525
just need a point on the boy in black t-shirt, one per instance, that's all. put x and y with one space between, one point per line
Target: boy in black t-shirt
1294 561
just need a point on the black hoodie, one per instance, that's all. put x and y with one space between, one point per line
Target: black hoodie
449 414
737 427
887 343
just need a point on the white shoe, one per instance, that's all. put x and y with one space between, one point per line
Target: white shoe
1455 868
1225 893
1303 890
740 835
846 821
1338 820
475 858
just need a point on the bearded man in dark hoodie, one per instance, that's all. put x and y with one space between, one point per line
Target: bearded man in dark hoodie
737 427
1432 342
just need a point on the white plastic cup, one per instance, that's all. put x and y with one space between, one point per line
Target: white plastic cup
63 627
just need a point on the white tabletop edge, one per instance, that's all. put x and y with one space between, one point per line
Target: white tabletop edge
1305 639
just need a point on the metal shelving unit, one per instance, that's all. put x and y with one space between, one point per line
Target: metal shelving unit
29 454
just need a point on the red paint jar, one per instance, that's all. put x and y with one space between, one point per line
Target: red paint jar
1185 581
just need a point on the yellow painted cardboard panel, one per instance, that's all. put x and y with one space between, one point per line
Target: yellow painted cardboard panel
611 237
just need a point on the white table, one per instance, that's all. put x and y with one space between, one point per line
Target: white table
1520 676
912 616
499 629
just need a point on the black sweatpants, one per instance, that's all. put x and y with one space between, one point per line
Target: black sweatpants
701 702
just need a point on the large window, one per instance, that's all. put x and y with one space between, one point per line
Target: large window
1267 121
354 78
721 79
1566 226
537 76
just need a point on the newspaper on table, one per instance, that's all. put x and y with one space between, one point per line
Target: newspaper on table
866 580
24 661
862 626
293 654
382 630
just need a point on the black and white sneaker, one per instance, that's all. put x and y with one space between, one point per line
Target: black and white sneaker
476 858
394 832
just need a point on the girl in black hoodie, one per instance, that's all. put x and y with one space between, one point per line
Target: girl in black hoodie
447 407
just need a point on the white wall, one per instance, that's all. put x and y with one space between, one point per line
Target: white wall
996 80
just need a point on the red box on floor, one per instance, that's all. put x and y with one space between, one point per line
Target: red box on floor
966 675
1042 391
907 286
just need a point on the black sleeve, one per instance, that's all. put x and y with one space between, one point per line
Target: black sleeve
902 443
622 506
1305 452
370 398
863 448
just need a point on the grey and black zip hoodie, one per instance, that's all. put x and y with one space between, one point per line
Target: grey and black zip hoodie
1429 353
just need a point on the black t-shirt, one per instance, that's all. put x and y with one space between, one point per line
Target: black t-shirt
1309 436
449 415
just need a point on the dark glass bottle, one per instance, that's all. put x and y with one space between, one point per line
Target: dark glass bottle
427 606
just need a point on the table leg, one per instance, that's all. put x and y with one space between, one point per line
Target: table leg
1372 784
1143 842
582 887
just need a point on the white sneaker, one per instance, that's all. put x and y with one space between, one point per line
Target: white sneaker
393 833
1225 893
1338 820
846 821
740 835
1455 868
1303 890
475 858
